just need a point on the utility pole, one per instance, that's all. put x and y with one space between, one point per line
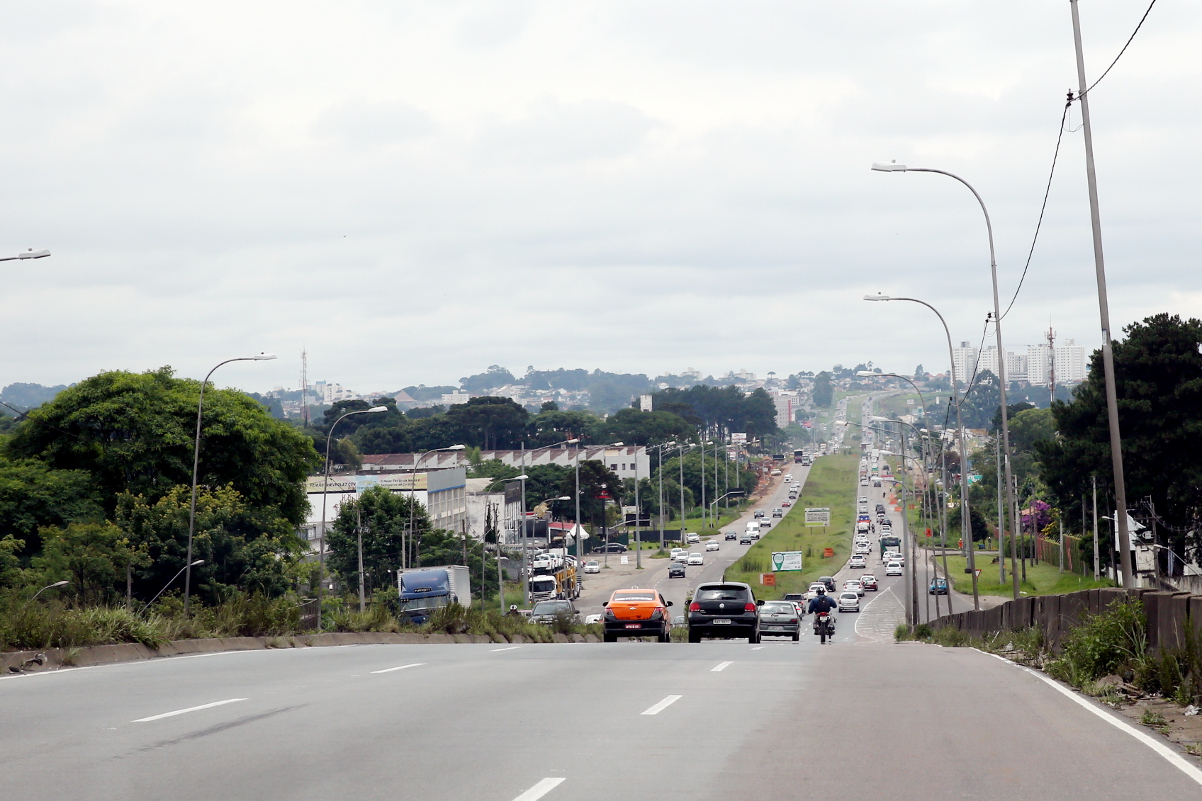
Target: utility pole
1096 567
638 522
1112 409
359 540
1001 537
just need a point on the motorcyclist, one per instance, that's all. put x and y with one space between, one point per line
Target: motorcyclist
822 602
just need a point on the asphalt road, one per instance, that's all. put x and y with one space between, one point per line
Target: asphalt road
718 720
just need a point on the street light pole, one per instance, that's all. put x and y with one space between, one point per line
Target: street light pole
325 489
170 581
196 463
965 515
1112 408
406 544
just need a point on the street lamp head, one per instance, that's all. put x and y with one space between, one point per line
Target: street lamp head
264 357
892 166
865 373
616 445
572 441
564 498
58 583
456 448
877 296
198 562
376 409
34 254
522 477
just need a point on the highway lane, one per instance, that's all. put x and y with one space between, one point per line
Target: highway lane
599 587
718 720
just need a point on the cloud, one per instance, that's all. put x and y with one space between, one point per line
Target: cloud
416 191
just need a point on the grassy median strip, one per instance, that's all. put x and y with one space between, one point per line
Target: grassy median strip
831 484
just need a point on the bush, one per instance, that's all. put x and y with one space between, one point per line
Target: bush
1114 641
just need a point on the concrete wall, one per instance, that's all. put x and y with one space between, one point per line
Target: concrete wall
1170 615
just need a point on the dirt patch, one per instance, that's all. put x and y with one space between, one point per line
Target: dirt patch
1168 719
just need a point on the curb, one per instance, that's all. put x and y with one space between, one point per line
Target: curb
91 656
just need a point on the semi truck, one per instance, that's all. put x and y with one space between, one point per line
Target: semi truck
426 589
560 583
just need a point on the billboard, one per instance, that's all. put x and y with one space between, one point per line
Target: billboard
740 437
818 516
786 560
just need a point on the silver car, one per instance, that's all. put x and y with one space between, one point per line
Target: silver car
780 619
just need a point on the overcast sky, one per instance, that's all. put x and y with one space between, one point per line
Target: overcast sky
415 191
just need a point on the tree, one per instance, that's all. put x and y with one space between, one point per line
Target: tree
495 376
243 547
980 529
488 422
34 496
93 556
134 434
1158 377
823 391
384 518
594 477
635 427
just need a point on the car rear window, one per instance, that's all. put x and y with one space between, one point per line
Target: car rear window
634 596
778 606
721 594
849 596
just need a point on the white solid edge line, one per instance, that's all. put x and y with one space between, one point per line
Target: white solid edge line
189 709
758 647
539 790
398 667
662 705
721 666
1174 758
498 650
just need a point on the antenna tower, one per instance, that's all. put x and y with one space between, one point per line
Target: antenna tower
305 387
1051 364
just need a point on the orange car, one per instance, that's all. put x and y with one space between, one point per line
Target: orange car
637 613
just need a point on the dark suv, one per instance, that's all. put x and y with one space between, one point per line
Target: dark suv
725 610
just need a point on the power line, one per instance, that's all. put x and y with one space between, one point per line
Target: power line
1056 154
1120 55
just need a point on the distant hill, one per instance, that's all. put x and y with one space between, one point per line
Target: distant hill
29 396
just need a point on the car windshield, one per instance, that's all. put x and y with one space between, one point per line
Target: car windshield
634 596
550 608
721 594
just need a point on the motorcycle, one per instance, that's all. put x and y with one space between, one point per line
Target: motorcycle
824 626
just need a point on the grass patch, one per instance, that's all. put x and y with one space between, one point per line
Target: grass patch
1042 579
831 483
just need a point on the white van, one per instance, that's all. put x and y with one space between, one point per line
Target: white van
753 528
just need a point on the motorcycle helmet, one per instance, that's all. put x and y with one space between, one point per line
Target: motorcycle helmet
822 590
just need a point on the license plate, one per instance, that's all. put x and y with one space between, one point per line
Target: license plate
721 621
772 628
634 625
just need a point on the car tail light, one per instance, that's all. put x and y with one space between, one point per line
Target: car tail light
748 607
792 620
694 607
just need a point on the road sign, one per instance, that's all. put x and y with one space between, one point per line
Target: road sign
978 572
818 516
768 579
786 560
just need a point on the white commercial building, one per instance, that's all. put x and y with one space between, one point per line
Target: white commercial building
621 459
1069 360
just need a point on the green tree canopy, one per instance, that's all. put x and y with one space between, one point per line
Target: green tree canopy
384 518
1158 377
244 547
134 434
33 496
824 393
